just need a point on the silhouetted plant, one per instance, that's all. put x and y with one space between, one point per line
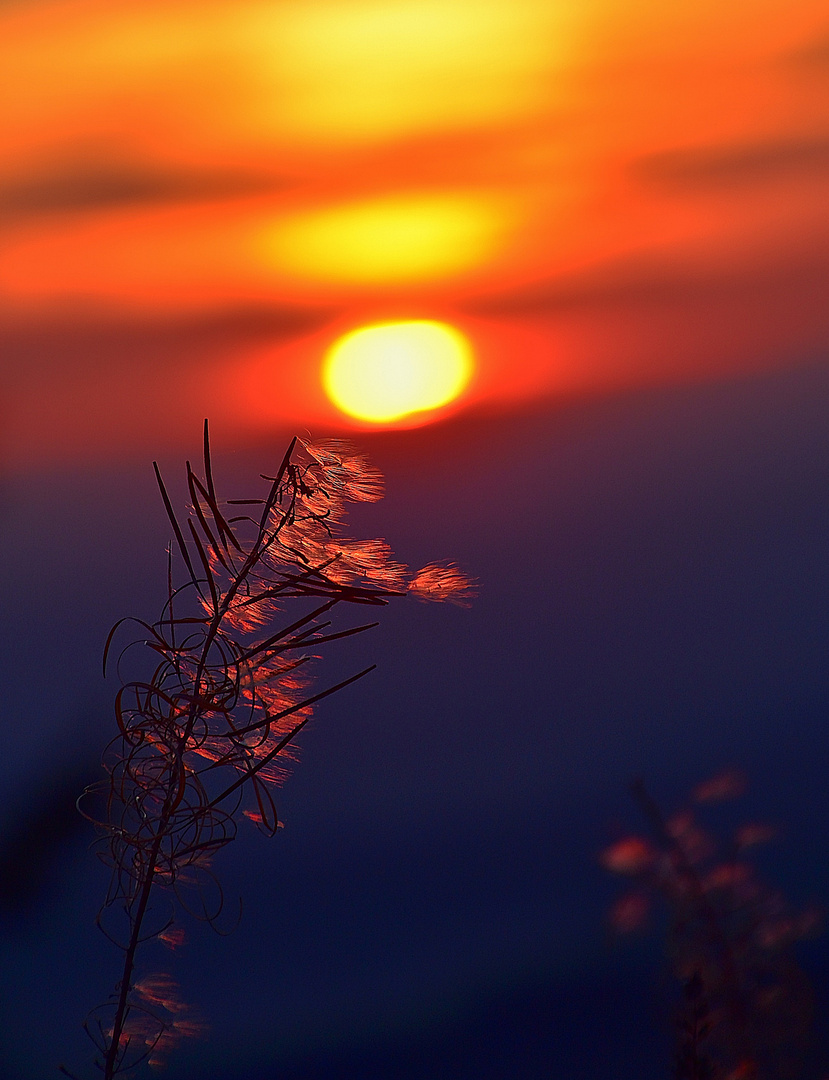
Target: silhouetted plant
205 732
746 1006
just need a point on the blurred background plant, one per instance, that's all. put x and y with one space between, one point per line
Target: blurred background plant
746 1006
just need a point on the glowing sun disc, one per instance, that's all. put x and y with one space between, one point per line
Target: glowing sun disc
385 372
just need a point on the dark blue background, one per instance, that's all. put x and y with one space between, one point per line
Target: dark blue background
653 602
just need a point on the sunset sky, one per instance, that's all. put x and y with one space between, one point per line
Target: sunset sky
198 198
602 229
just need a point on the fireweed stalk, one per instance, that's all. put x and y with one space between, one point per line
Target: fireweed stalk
204 735
746 1005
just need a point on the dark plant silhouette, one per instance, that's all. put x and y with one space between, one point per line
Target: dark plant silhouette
207 725
746 1006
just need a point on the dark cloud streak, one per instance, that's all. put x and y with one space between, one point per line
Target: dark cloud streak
104 187
730 166
646 279
84 346
813 57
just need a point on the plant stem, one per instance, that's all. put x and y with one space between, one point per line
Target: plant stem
111 1061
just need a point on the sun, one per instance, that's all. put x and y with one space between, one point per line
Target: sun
389 371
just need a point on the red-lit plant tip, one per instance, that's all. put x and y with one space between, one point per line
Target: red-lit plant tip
207 722
746 1007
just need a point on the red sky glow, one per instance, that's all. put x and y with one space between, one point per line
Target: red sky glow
197 199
